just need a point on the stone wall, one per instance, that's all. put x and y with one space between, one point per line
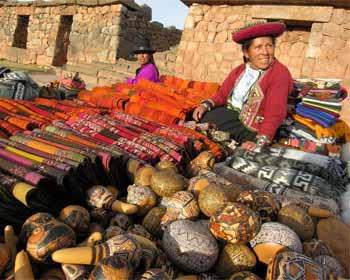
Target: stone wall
316 44
101 31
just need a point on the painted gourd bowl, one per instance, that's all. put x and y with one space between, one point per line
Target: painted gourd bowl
235 223
190 246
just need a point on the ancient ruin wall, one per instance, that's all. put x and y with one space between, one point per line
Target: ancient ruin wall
316 44
101 31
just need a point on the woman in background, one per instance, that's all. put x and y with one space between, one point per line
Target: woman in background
148 69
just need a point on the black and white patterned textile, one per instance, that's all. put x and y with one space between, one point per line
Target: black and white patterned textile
18 85
295 179
284 194
334 166
268 159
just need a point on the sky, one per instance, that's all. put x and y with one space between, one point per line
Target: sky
167 12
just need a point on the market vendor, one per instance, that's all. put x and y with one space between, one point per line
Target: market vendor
252 101
148 69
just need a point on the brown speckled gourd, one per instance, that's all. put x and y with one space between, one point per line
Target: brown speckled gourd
77 217
152 220
112 268
215 196
298 220
167 166
167 183
144 175
234 258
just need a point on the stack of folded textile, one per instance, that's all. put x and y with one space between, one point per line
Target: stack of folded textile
316 114
166 102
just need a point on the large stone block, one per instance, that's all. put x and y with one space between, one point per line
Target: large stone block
325 68
201 36
332 29
312 51
233 18
332 44
202 26
307 68
345 35
196 10
25 11
192 46
43 60
10 54
222 27
189 23
212 26
340 16
68 10
284 58
211 36
289 12
221 37
297 49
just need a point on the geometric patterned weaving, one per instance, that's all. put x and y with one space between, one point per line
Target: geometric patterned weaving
296 179
268 159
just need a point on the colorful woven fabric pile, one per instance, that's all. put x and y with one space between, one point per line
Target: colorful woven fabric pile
63 147
316 111
166 102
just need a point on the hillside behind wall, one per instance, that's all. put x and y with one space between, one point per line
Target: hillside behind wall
316 44
100 31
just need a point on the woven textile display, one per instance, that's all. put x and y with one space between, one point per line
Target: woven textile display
299 180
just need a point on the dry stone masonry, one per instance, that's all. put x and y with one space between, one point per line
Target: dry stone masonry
77 32
316 44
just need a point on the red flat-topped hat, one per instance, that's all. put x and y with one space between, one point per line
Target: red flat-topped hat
273 29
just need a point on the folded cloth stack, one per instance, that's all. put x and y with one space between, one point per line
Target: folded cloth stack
319 111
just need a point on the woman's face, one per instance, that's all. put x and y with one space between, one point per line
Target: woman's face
143 58
261 53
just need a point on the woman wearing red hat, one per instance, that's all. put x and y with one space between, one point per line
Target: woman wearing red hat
148 69
252 101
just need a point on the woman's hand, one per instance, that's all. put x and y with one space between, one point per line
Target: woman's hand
199 112
248 145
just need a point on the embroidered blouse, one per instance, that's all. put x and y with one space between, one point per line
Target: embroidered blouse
240 92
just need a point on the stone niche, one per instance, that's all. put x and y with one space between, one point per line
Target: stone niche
316 44
78 32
